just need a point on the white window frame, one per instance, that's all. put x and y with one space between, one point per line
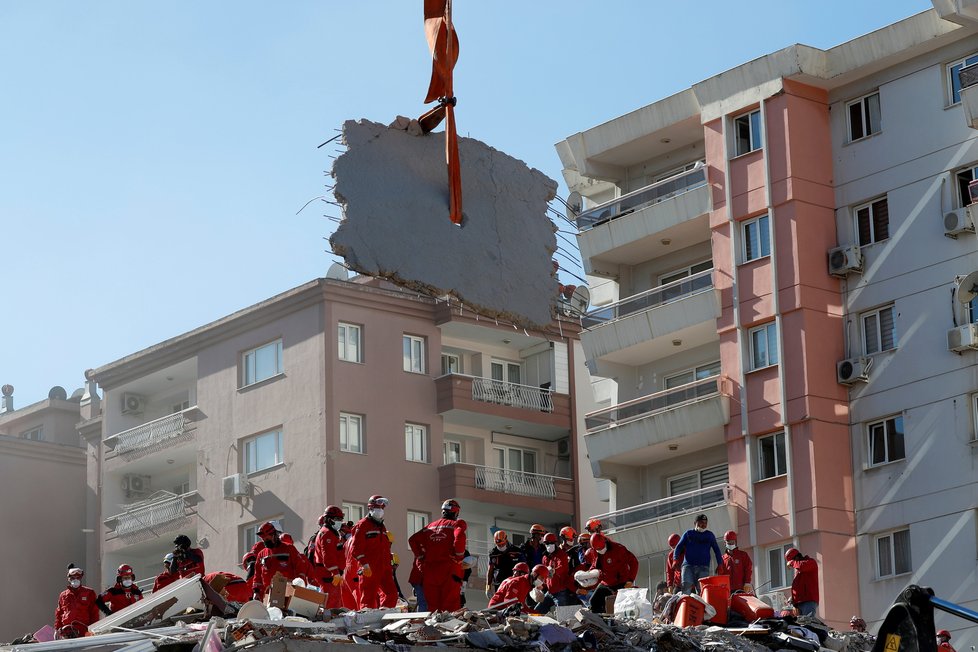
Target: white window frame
524 452
699 372
413 350
951 78
249 532
870 208
416 521
34 434
763 225
878 344
447 446
348 419
446 363
888 456
505 366
247 446
888 539
353 511
698 475
347 351
755 131
780 446
773 561
249 365
864 115
770 331
961 199
416 448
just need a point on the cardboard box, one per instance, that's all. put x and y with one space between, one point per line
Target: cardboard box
276 594
303 601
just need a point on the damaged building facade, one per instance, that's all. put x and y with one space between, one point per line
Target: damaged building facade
778 335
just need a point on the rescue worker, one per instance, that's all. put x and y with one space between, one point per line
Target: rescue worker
560 583
235 589
514 588
737 564
276 557
525 588
440 546
371 549
568 539
857 624
77 608
674 566
944 641
328 556
695 546
593 525
804 585
169 574
617 565
189 561
121 594
502 559
533 547
351 571
583 545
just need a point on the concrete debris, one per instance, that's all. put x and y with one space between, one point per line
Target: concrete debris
392 185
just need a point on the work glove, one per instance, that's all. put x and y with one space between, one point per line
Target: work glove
629 585
336 580
365 570
748 589
537 595
489 591
581 591
390 536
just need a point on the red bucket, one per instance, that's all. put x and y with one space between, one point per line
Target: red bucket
690 612
716 591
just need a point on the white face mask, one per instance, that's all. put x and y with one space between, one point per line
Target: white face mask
730 545
701 528
377 514
127 583
602 551
538 582
500 547
550 547
74 583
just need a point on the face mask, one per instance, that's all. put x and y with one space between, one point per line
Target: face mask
550 547
731 546
701 528
127 583
602 551
500 547
75 583
538 582
377 514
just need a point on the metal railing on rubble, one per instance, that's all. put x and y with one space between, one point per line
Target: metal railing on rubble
645 196
154 435
671 507
657 296
518 483
651 404
488 390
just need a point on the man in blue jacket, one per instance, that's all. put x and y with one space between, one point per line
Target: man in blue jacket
695 546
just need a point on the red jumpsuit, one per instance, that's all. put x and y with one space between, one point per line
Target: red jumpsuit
370 546
945 647
674 570
77 608
329 559
282 558
164 579
191 564
440 546
737 564
561 575
117 597
804 586
618 565
351 577
237 589
516 588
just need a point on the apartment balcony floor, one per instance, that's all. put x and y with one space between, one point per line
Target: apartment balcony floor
525 495
141 524
149 444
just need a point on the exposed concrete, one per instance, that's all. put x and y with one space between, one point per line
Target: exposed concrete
394 189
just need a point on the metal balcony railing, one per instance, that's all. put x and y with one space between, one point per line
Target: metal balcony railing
637 199
500 392
518 483
153 436
148 518
650 405
480 549
671 507
657 296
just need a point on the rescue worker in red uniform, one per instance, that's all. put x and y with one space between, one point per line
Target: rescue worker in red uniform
121 594
440 547
370 547
169 574
944 641
189 561
77 608
560 583
514 588
276 557
617 565
674 565
351 572
236 589
804 585
526 588
328 556
737 564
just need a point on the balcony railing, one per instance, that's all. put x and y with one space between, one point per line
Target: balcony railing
647 406
657 296
518 483
500 392
148 518
153 436
658 510
635 200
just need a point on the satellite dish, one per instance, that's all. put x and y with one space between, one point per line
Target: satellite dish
253 609
967 288
337 272
58 393
573 206
580 300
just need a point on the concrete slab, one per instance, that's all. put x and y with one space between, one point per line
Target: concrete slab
394 190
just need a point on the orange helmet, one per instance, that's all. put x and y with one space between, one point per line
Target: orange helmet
584 538
536 528
593 525
500 537
567 533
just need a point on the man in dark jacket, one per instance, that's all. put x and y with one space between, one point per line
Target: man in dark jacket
695 546
502 559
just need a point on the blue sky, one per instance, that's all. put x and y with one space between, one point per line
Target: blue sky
153 155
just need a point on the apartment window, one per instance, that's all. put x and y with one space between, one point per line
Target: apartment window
747 132
451 451
694 480
953 83
451 363
757 238
873 222
415 443
772 460
962 179
263 451
886 441
879 330
414 354
349 343
692 375
509 372
351 433
893 554
353 511
777 570
678 290
416 521
764 346
261 363
35 434
249 533
864 116
516 459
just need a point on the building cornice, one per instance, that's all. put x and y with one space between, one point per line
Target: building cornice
35 410
41 450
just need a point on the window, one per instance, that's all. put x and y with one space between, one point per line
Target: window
893 554
678 290
764 346
182 488
510 372
249 533
263 451
864 116
415 443
963 178
873 222
516 459
879 330
953 83
353 511
416 521
692 375
886 441
414 354
771 458
36 434
351 433
757 238
707 477
180 407
349 343
451 451
747 132
777 571
451 363
261 363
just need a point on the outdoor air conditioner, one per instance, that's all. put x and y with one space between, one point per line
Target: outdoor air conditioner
853 370
236 486
843 260
958 221
963 338
135 486
133 403
563 448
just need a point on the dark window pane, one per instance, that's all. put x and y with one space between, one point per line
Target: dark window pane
755 127
877 444
894 439
884 557
901 552
887 329
782 464
856 121
881 220
873 113
863 226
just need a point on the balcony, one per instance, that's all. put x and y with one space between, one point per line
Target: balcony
640 329
638 432
494 404
513 489
148 519
153 436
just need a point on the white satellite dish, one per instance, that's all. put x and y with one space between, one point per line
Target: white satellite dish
573 206
580 299
337 272
967 288
253 609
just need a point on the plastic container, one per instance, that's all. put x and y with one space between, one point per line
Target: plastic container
750 607
689 613
716 591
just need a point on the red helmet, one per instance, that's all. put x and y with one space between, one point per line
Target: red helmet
521 568
567 533
536 528
730 535
269 528
791 553
333 512
249 557
125 569
593 525
550 537
347 527
500 537
451 506
944 634
673 540
599 541
377 502
541 572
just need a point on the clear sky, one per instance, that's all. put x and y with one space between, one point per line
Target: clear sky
153 155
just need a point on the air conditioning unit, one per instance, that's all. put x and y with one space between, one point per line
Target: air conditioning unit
959 221
236 486
563 448
853 370
963 338
843 260
133 403
136 486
